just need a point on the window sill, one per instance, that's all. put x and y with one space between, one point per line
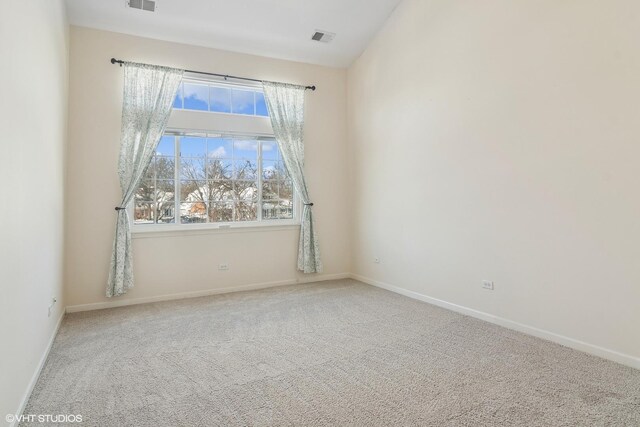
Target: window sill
172 230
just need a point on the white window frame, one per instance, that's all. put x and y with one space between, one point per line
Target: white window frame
208 123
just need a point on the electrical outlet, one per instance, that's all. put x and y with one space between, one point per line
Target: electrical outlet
376 260
53 302
487 284
223 267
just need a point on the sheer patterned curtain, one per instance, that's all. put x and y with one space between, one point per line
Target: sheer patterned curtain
285 104
149 92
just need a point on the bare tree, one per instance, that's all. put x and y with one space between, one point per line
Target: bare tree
217 190
165 189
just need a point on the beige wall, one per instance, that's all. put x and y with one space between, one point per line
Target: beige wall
33 118
179 263
494 140
500 140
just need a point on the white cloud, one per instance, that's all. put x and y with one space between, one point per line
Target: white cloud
245 145
268 146
195 91
218 153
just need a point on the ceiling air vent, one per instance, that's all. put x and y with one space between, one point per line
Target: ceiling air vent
323 36
148 5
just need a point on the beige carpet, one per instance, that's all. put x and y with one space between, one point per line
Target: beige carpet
332 353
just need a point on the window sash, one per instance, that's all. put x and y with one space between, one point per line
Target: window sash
259 180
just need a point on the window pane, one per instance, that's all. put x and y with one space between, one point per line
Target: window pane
273 170
270 150
286 189
220 190
246 190
193 169
143 212
270 210
269 169
285 209
191 146
220 99
165 167
219 148
165 190
177 103
166 146
221 212
261 105
269 190
165 196
246 169
146 189
245 211
277 209
245 149
193 191
219 169
165 211
196 97
191 213
242 102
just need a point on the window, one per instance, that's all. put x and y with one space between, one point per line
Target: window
217 178
221 175
229 171
220 98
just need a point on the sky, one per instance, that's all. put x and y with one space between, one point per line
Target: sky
219 148
202 97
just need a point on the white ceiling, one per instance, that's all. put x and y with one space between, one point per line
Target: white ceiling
273 28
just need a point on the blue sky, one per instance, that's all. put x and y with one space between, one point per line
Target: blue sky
221 148
193 96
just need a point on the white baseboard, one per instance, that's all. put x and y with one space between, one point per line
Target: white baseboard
183 295
595 350
36 374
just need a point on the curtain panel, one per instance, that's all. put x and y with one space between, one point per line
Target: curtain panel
149 92
285 104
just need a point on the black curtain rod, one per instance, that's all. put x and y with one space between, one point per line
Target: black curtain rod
226 76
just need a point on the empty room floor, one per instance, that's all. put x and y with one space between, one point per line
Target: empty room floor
329 353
